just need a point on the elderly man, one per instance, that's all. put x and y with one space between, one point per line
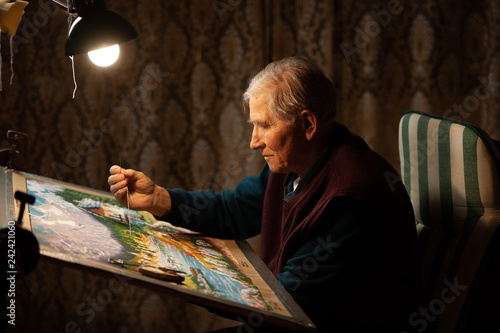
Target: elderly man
336 224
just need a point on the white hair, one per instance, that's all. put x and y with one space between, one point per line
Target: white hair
294 84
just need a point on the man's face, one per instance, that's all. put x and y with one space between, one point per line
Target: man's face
279 142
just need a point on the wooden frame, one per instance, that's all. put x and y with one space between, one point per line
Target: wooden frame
83 227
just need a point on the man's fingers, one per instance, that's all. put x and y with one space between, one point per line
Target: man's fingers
118 190
113 179
130 173
116 185
121 196
115 169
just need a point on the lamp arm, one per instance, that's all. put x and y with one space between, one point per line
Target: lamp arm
63 4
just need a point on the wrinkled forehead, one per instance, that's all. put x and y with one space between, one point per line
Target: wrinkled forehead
259 107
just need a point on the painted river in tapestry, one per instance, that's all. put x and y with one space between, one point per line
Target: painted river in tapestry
97 228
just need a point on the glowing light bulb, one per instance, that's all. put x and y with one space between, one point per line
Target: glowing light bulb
105 56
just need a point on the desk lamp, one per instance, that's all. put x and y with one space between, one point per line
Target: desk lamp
97 31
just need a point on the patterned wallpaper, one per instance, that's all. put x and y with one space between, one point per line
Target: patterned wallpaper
168 107
171 105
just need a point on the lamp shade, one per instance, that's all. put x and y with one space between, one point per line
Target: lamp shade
96 28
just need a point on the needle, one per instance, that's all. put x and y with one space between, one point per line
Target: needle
128 204
128 212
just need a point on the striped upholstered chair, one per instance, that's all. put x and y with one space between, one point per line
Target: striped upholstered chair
451 170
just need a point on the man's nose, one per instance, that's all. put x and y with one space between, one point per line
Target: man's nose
256 142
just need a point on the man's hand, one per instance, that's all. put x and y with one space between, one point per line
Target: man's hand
143 193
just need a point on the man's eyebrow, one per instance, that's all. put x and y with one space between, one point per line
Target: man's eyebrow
257 123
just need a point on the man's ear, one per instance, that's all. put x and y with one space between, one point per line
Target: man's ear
309 123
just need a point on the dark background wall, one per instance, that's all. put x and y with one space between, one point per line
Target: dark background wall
171 105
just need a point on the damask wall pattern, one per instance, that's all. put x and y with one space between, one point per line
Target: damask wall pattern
171 106
159 109
386 57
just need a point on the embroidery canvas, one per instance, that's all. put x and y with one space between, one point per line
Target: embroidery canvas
95 228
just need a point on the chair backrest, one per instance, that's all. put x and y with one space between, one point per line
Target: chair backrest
451 171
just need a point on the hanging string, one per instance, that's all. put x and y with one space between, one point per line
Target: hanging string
11 43
74 77
70 21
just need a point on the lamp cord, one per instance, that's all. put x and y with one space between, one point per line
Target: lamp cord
11 44
11 38
74 77
70 20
